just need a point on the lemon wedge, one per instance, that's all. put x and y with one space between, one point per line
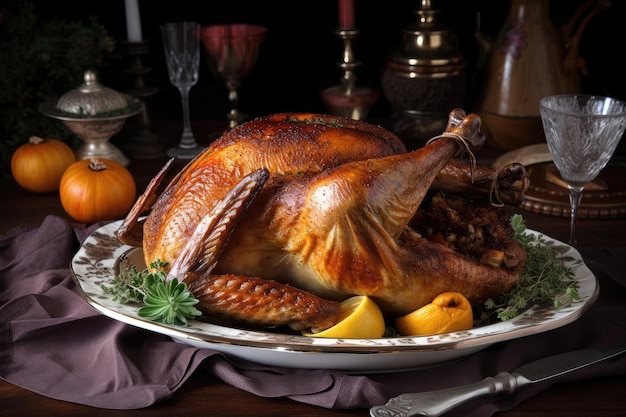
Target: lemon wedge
448 312
360 318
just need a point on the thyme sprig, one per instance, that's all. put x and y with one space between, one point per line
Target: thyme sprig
165 302
545 280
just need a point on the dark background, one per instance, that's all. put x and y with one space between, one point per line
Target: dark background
299 56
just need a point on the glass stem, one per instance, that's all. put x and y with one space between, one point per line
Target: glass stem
575 196
233 114
187 141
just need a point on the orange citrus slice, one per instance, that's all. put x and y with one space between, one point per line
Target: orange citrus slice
448 312
360 318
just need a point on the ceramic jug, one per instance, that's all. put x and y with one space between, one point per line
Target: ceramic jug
530 58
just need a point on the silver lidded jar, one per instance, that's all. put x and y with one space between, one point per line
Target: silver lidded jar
91 98
94 113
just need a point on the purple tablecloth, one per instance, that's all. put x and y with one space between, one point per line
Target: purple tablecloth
53 343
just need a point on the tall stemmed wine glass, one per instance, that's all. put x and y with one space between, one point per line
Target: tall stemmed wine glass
582 132
181 41
231 53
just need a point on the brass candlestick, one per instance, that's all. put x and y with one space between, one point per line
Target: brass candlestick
144 144
348 99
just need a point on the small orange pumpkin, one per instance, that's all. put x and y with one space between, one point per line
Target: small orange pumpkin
39 164
97 189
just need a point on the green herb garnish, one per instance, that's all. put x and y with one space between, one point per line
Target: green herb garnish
165 302
545 280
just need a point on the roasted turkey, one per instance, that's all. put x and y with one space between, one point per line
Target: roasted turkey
286 215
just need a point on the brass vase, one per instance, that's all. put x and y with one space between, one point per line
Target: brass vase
424 78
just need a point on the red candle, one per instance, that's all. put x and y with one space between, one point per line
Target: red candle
346 14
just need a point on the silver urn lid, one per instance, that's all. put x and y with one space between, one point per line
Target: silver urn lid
91 98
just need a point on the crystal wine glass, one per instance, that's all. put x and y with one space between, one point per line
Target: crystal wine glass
231 53
582 132
181 41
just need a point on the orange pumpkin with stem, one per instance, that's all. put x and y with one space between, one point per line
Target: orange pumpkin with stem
39 164
97 189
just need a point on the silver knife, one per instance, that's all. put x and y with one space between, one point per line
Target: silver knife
435 403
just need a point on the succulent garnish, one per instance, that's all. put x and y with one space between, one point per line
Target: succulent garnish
165 302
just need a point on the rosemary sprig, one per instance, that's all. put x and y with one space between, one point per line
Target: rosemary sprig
165 302
545 280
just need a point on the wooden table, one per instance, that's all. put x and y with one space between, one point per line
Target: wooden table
204 395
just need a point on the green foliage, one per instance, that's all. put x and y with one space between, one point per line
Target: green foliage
39 61
545 281
168 302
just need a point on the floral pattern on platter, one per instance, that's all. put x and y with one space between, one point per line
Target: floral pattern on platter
102 256
95 254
